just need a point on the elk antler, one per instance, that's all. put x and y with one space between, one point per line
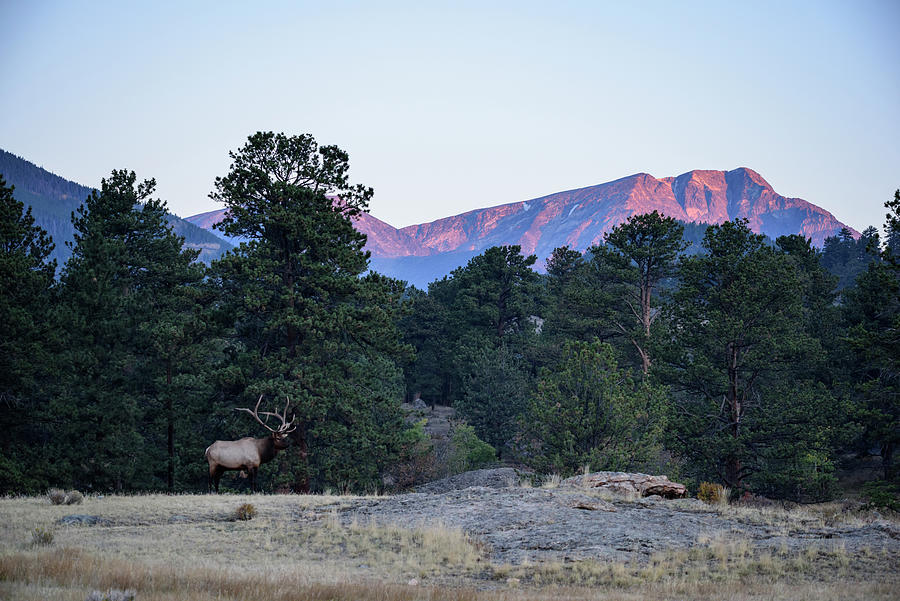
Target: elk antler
284 428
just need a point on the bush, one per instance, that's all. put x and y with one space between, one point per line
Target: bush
417 462
56 496
711 493
588 410
73 497
42 536
245 512
882 494
469 451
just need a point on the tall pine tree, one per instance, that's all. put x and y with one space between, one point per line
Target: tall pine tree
26 337
308 327
120 290
736 358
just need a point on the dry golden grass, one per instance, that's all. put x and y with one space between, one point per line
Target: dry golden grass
69 575
191 548
728 569
817 515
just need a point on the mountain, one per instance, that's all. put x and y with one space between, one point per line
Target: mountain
579 218
53 199
422 253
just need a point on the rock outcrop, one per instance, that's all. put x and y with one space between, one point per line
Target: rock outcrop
642 485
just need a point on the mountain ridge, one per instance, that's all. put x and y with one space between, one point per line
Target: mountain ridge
419 253
705 196
579 218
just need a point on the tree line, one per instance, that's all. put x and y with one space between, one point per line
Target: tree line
757 364
741 362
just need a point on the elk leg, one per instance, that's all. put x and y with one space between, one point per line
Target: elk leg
216 476
252 471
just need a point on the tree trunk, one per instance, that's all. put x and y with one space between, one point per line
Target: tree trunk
170 432
301 483
733 464
646 293
887 461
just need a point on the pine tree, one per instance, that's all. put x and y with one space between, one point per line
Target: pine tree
480 307
496 292
872 314
650 244
121 289
745 412
588 411
307 326
26 337
494 396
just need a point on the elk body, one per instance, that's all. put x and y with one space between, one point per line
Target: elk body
247 454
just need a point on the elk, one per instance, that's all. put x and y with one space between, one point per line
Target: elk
248 454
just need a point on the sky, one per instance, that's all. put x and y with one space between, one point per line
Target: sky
449 107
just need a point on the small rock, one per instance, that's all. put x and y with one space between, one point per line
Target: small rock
888 528
650 501
413 582
419 404
83 520
112 595
513 581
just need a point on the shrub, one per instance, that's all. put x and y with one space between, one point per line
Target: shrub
587 409
551 481
73 497
881 493
713 494
469 451
417 462
56 496
42 536
245 512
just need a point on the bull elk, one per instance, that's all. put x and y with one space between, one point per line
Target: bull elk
248 454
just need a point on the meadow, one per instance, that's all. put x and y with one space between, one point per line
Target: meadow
195 548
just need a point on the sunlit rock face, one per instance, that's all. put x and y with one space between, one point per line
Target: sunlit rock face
579 218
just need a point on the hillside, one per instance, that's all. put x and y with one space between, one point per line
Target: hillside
53 199
384 240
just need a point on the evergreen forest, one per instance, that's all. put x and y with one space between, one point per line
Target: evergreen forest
710 355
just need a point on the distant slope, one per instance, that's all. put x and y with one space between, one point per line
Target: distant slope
383 240
53 199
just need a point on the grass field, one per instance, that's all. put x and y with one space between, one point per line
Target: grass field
192 548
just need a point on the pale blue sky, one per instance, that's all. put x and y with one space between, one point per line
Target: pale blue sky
449 107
